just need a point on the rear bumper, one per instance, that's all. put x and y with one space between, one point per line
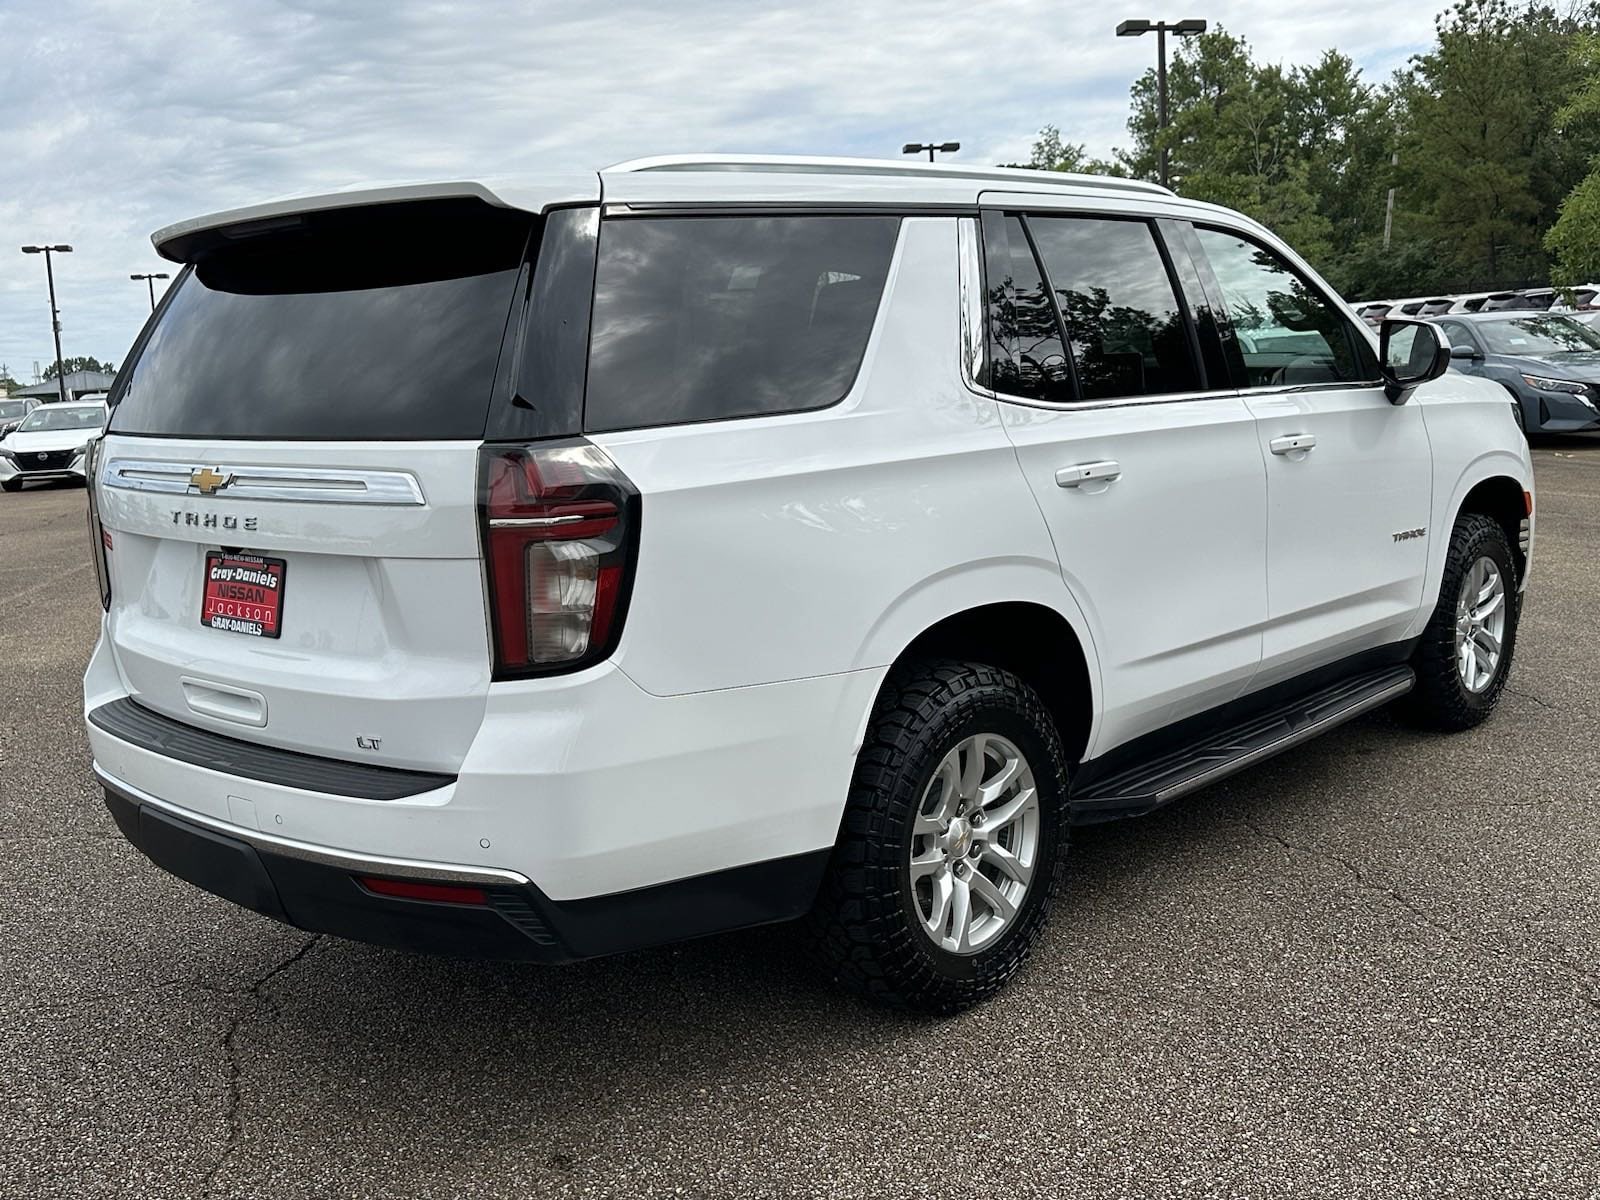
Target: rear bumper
584 784
317 889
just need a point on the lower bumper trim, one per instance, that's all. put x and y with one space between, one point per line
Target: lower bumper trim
320 894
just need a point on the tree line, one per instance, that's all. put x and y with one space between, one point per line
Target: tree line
1490 141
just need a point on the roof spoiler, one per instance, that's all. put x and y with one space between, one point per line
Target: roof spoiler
531 193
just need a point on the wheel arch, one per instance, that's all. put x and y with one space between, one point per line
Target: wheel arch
1501 498
1033 640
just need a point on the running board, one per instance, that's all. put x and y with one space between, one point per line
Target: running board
1148 785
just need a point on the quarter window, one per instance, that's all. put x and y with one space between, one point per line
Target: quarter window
1026 354
1126 327
704 318
1287 332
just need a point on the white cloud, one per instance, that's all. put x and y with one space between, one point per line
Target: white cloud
119 116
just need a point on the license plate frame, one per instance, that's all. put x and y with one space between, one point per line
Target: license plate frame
242 593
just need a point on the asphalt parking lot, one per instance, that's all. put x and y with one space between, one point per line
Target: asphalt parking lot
1371 969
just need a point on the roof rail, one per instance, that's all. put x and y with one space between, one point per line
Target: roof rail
798 164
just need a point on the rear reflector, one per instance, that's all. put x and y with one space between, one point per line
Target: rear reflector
434 893
559 523
99 536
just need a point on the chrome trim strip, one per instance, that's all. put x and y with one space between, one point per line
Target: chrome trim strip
535 522
406 868
970 286
1180 397
1298 389
313 485
1118 402
1304 734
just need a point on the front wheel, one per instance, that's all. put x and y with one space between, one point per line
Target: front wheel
952 841
1465 654
11 485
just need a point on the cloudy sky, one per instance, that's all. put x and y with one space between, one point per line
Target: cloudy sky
120 116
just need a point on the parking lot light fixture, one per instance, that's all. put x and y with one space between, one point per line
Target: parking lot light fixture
150 281
1189 27
55 316
931 148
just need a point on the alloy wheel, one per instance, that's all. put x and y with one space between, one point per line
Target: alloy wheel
1480 624
974 844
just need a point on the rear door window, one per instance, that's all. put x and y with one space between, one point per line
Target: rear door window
359 324
706 318
1127 329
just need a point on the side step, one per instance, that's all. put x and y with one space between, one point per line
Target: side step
1148 785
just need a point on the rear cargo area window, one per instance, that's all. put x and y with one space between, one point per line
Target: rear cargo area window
360 324
704 318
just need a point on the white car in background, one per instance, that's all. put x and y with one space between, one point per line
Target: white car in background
50 443
12 410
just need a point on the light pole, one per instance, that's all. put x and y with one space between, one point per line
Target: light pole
930 147
55 317
150 280
1189 28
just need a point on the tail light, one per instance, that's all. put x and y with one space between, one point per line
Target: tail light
560 525
99 538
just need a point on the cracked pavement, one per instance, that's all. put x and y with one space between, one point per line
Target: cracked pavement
1367 969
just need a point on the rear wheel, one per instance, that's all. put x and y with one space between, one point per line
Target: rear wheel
1465 654
952 842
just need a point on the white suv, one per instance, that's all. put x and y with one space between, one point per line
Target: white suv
550 568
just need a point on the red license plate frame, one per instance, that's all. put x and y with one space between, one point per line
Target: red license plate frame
243 593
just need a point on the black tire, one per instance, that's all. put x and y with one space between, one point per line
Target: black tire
1441 699
11 485
865 928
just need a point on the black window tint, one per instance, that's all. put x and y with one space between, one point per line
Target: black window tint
362 324
1127 332
701 318
1026 356
1186 261
1287 333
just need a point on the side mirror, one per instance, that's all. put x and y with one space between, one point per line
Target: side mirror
1464 352
1410 353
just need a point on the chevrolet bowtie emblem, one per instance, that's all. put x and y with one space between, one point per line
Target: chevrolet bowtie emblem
205 480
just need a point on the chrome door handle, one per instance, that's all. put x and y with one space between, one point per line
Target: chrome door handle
1082 473
1291 442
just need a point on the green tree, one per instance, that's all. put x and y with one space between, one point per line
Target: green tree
81 363
1484 164
1574 239
1050 153
1291 149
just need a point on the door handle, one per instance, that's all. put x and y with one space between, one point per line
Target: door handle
1291 442
1082 473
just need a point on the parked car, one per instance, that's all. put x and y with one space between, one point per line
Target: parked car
1549 363
1373 311
50 443
716 541
12 410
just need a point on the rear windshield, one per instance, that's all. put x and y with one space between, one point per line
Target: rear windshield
705 318
362 324
12 408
